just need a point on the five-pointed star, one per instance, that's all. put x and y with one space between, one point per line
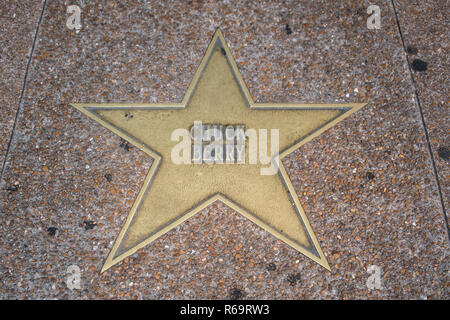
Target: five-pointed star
172 193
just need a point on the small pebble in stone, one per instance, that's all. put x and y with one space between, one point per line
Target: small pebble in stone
419 65
236 294
12 188
370 175
293 278
108 177
52 231
88 224
125 145
444 153
288 29
271 267
412 50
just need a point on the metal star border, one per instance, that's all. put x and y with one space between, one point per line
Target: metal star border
149 219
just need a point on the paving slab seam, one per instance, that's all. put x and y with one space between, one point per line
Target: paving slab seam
427 137
23 90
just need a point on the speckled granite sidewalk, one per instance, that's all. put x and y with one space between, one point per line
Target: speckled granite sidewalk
374 187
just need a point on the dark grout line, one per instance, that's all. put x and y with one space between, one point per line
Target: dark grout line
23 91
430 150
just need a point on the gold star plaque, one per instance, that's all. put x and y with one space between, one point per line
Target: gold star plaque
184 180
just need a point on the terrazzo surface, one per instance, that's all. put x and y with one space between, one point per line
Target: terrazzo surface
424 27
367 185
18 21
